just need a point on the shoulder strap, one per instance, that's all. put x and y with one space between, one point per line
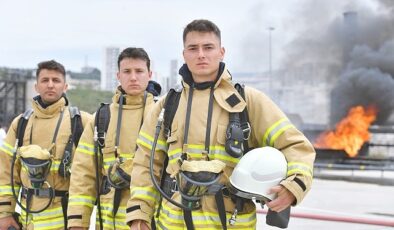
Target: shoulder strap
244 117
76 124
20 130
101 123
171 105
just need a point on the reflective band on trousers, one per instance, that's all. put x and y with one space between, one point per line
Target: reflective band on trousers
173 219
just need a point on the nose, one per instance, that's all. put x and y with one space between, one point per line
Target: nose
201 53
50 83
133 76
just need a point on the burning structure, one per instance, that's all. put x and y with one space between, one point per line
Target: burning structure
364 92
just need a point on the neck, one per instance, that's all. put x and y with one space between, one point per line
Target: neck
205 78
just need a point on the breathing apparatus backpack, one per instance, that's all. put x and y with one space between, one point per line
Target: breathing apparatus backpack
76 132
117 175
38 165
236 145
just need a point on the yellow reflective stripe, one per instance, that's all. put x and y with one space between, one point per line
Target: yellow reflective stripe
7 190
144 138
169 217
87 145
149 193
299 168
49 224
174 155
279 132
47 214
274 131
84 147
82 200
8 149
81 149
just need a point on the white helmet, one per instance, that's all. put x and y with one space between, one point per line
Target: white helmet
258 170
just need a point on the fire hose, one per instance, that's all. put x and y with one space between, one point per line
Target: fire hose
338 218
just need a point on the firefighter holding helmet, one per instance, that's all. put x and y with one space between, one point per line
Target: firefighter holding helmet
191 156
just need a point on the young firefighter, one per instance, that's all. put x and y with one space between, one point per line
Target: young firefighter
198 134
109 143
45 138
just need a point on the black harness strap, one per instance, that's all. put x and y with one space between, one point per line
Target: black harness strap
102 118
221 208
187 216
244 117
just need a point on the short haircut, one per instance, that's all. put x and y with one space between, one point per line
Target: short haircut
136 53
201 25
51 65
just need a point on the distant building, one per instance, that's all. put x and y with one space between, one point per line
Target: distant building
304 90
108 80
88 78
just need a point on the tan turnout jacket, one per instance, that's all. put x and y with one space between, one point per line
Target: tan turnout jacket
83 180
41 128
270 127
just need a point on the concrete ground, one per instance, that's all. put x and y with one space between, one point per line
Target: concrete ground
334 198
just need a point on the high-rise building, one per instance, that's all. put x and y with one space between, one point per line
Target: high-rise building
109 81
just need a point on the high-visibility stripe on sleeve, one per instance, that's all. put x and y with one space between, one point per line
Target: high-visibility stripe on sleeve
144 193
7 190
275 131
82 200
147 141
7 148
299 168
85 148
174 155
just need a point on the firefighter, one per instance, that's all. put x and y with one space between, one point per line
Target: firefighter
36 155
108 144
202 130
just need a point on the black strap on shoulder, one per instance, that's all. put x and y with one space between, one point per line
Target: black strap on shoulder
103 116
171 105
244 117
101 123
76 124
20 130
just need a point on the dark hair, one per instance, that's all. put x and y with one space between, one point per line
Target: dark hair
51 65
201 25
133 52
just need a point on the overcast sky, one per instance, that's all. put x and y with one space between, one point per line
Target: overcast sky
71 31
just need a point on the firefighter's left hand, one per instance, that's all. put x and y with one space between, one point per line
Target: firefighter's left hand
284 199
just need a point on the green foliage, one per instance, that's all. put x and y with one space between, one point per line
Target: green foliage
87 99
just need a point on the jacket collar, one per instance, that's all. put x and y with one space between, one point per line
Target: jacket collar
188 78
48 110
130 102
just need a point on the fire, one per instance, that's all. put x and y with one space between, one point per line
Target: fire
351 132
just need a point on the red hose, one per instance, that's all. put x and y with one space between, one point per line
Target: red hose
325 217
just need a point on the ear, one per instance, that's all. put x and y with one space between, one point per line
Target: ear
150 75
35 87
118 76
65 88
222 51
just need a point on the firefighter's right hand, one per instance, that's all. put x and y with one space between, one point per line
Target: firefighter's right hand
139 225
7 222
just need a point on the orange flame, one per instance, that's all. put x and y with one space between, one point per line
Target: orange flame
351 132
